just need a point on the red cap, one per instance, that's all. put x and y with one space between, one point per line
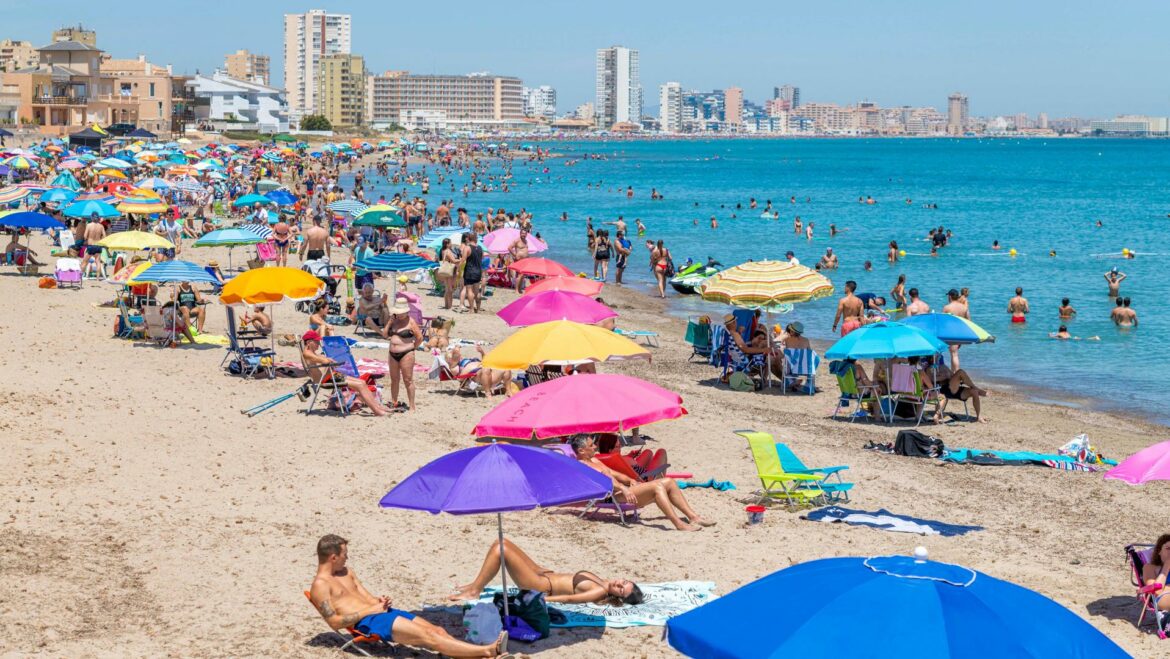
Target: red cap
311 335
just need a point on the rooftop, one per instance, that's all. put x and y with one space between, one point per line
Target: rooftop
62 46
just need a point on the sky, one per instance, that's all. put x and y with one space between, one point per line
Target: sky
1072 58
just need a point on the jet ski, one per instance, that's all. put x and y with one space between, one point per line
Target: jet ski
691 277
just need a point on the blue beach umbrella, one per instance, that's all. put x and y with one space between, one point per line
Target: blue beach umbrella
347 206
168 272
886 606
228 238
66 180
396 262
282 197
28 220
885 340
949 329
88 208
249 199
58 195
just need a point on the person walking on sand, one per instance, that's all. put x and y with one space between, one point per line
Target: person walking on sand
660 261
316 244
1018 307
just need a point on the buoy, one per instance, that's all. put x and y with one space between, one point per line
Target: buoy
1012 251
901 252
1125 251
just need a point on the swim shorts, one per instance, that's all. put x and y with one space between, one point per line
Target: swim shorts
93 249
382 624
849 325
1019 319
315 254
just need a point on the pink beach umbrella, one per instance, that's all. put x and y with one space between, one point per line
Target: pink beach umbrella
595 403
590 287
498 241
1149 464
536 266
554 305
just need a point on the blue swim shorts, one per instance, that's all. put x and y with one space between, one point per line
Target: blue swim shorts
382 624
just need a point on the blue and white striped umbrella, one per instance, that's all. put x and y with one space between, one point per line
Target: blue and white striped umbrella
154 183
396 262
187 184
116 163
259 229
175 271
243 235
350 206
434 238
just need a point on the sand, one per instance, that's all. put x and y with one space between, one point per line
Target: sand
144 515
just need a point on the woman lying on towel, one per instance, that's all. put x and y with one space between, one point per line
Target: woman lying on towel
577 588
1154 572
663 491
488 378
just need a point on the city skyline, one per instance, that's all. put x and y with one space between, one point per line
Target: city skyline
1036 62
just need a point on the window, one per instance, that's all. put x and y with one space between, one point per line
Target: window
152 91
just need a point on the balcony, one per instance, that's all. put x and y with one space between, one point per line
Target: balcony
118 98
59 100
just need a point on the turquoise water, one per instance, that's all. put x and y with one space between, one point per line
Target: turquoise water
1030 195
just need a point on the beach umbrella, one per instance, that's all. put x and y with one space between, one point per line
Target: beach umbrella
912 607
593 403
497 478
66 180
762 284
114 163
1149 464
142 205
95 195
112 173
58 195
395 262
885 340
271 285
86 209
115 187
250 199
133 241
268 185
498 241
282 197
560 343
126 276
71 164
28 220
13 193
434 238
582 285
230 238
187 184
949 329
19 162
554 305
347 206
155 183
540 267
381 215
166 272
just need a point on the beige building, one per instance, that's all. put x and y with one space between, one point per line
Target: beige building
78 34
245 65
454 99
307 38
146 85
17 55
733 106
956 114
341 89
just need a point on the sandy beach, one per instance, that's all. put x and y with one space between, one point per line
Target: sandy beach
146 516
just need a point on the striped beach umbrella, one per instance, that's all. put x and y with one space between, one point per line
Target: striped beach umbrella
142 206
763 284
155 183
13 193
19 162
259 229
347 206
249 199
949 329
229 237
381 215
67 181
175 271
95 195
396 262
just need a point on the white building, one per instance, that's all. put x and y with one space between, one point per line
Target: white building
540 102
307 38
1130 124
670 108
619 87
219 98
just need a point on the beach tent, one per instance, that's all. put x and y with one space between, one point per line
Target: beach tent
87 138
141 133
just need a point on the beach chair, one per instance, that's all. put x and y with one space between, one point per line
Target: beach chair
355 637
836 490
535 374
266 251
648 337
801 363
624 511
243 355
132 326
67 272
652 466
906 385
1138 556
853 392
699 337
156 328
794 489
332 383
441 371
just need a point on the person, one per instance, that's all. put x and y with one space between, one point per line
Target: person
663 491
214 271
190 303
259 320
344 602
892 254
622 246
14 249
1122 315
172 319
1114 279
94 232
750 358
661 263
488 379
850 310
315 362
281 239
317 321
1154 573
449 253
519 250
581 587
316 245
371 308
955 385
1062 334
472 272
916 307
955 307
1018 307
601 255
898 292
404 336
790 256
1066 311
829 260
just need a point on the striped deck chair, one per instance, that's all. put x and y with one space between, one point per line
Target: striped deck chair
801 363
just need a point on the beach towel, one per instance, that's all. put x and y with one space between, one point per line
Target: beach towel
211 339
887 521
1022 458
721 486
903 379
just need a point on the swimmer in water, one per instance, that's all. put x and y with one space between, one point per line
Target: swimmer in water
641 227
714 222
1066 311
995 245
1122 315
797 225
868 266
1114 279
1063 335
1018 307
892 255
808 231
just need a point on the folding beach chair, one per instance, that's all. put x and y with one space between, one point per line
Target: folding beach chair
355 637
131 326
853 392
652 466
624 511
332 383
794 489
243 355
266 251
835 489
68 273
699 337
906 385
801 363
441 371
535 374
648 337
156 328
1138 556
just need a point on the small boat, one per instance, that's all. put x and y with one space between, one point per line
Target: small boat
690 278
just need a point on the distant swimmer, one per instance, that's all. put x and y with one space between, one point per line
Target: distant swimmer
640 227
892 255
829 260
1063 335
1018 307
1122 315
792 260
868 266
629 192
714 222
898 292
995 245
870 201
797 225
808 231
1066 311
832 230
792 199
1114 279
751 202
1099 225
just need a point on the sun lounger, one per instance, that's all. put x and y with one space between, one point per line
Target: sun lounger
1138 556
648 337
625 465
835 489
624 511
355 637
794 489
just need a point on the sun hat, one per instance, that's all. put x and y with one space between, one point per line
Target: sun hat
728 318
400 307
213 263
311 335
795 327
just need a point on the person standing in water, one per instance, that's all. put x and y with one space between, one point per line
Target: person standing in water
1018 307
892 255
1114 279
898 292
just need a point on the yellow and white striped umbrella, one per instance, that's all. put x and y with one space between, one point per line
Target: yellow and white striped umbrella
766 284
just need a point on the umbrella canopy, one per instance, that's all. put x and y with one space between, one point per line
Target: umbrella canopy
58 195
13 193
67 181
540 267
596 403
249 199
228 238
347 206
498 241
765 284
175 271
142 205
913 608
561 342
589 287
949 329
1149 464
88 208
380 215
270 285
29 220
395 262
155 183
19 162
267 185
554 305
497 478
126 276
131 241
885 341
282 197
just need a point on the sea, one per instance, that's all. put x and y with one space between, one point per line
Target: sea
1041 199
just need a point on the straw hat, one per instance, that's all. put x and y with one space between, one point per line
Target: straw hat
400 308
213 263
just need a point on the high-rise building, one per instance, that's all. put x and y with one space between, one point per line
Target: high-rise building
307 38
733 106
956 114
244 65
78 34
1021 121
619 88
1042 121
540 102
585 112
788 94
17 55
479 99
670 108
341 89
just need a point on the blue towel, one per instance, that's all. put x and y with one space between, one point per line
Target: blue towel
722 486
887 521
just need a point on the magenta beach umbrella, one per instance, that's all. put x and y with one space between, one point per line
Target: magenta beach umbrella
497 478
554 305
500 240
594 403
1149 464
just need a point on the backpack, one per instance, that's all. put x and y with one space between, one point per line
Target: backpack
917 445
529 606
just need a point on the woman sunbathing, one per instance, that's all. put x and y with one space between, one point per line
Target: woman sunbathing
1154 573
487 378
577 588
664 491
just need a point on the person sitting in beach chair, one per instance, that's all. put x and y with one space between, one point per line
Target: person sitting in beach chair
453 366
581 587
749 358
664 492
1150 565
322 370
372 311
173 325
345 603
954 386
259 320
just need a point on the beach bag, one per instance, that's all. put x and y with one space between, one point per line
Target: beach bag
481 624
529 606
917 445
446 269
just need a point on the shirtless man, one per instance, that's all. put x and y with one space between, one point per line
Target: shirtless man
955 305
916 307
829 260
344 603
1018 307
1114 279
316 243
850 310
94 232
519 250
314 360
1122 315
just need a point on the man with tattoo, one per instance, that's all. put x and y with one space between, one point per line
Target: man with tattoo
344 602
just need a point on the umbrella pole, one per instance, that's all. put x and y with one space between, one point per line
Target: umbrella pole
503 565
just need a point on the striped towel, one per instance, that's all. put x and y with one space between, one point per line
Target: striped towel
801 361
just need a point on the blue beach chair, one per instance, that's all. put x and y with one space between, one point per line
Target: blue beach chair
243 356
801 363
835 489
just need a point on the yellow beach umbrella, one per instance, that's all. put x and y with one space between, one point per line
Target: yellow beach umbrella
141 206
766 284
132 241
269 285
126 275
112 173
143 193
561 342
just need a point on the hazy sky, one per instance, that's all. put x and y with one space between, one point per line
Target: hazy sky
1068 58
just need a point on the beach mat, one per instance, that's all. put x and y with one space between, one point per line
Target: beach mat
887 521
1022 458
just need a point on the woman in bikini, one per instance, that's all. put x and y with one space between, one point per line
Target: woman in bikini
578 588
317 321
1153 573
898 293
661 258
404 336
281 236
449 253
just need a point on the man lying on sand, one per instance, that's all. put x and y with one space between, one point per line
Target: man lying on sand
343 602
